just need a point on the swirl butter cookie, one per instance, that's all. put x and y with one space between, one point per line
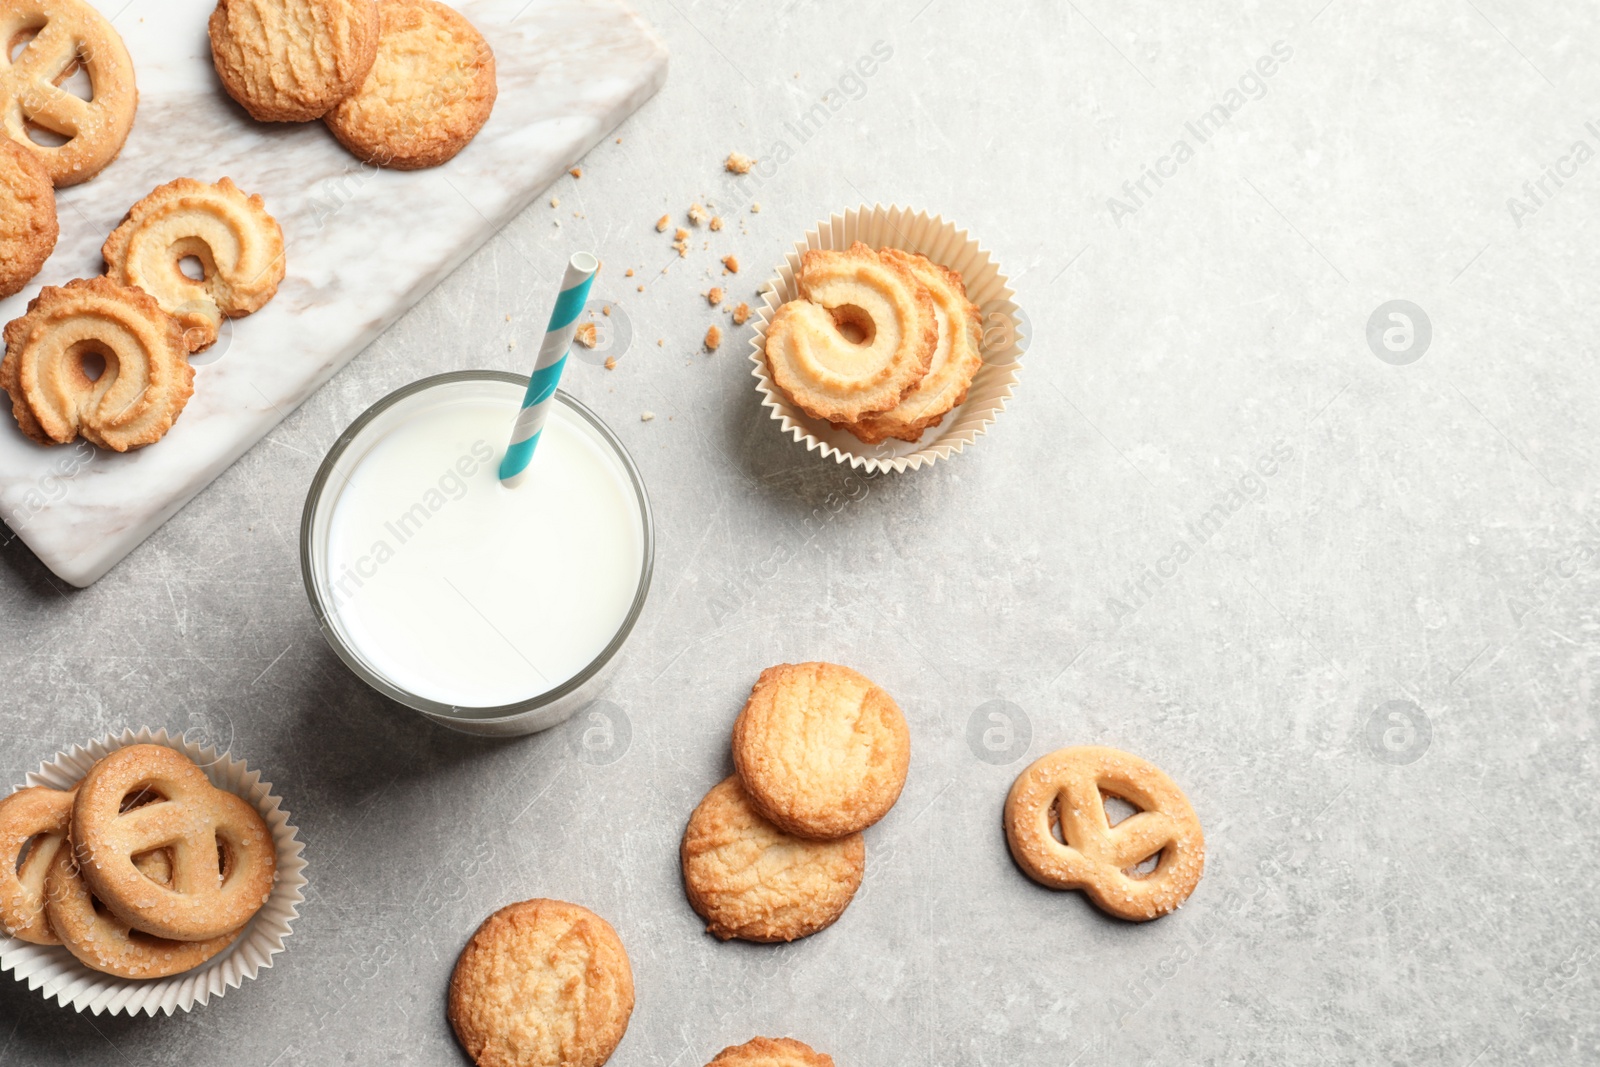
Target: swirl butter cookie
28 224
428 93
822 750
750 880
239 246
292 60
860 337
69 35
771 1052
98 359
542 984
35 818
956 357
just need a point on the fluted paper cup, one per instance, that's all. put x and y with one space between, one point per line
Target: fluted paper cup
54 971
1004 337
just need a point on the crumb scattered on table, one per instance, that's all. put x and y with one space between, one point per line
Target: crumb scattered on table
739 163
628 273
730 264
755 207
663 222
611 363
606 310
716 222
646 416
681 234
555 201
741 314
697 214
576 172
587 335
713 338
714 296
641 288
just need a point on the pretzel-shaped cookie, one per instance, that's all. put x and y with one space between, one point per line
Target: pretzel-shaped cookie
39 815
70 34
1066 789
198 822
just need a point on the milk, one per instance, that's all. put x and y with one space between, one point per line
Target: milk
459 590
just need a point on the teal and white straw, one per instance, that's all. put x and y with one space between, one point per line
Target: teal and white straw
547 371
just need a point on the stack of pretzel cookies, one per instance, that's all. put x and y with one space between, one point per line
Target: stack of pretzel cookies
880 343
144 870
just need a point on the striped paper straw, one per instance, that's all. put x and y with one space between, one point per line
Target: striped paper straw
547 371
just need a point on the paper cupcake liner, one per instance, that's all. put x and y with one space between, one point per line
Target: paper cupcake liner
58 974
1004 333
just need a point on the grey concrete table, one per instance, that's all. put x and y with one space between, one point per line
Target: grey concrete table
1334 569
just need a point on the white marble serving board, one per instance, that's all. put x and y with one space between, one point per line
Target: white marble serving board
363 245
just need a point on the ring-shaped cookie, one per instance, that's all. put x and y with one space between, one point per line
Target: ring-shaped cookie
1066 791
69 34
860 337
35 817
97 359
239 246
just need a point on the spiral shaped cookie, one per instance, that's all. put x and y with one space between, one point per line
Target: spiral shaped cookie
239 246
832 375
144 377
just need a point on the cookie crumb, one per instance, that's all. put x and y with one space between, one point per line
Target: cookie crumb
511 345
680 234
741 314
730 264
641 288
716 222
662 223
508 318
619 140
714 296
660 341
555 201
713 338
576 172
606 311
697 214
739 163
755 207
646 416
611 363
628 273
587 335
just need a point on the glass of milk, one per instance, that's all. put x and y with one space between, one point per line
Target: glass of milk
487 609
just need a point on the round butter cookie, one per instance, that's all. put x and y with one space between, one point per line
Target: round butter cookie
750 880
239 246
28 225
860 337
93 324
822 750
771 1052
35 817
542 984
68 35
956 357
428 94
292 60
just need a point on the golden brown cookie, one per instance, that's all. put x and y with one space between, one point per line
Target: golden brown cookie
750 880
292 60
861 335
428 94
103 942
771 1052
28 225
90 326
37 818
200 823
956 357
68 35
542 984
822 749
239 246
1059 835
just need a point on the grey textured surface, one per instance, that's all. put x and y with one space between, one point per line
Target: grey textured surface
1386 883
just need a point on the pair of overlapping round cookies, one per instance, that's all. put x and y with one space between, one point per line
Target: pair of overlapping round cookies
144 870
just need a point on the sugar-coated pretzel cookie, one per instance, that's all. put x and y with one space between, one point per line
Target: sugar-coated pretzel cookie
292 60
40 816
28 224
239 246
542 983
771 1052
145 378
750 880
69 34
825 372
956 357
1066 789
427 95
822 749
103 942
192 818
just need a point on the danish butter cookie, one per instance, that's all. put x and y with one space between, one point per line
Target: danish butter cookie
28 224
292 60
750 880
239 246
144 377
68 35
198 822
40 816
542 984
822 750
771 1052
1065 791
860 337
956 357
428 94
